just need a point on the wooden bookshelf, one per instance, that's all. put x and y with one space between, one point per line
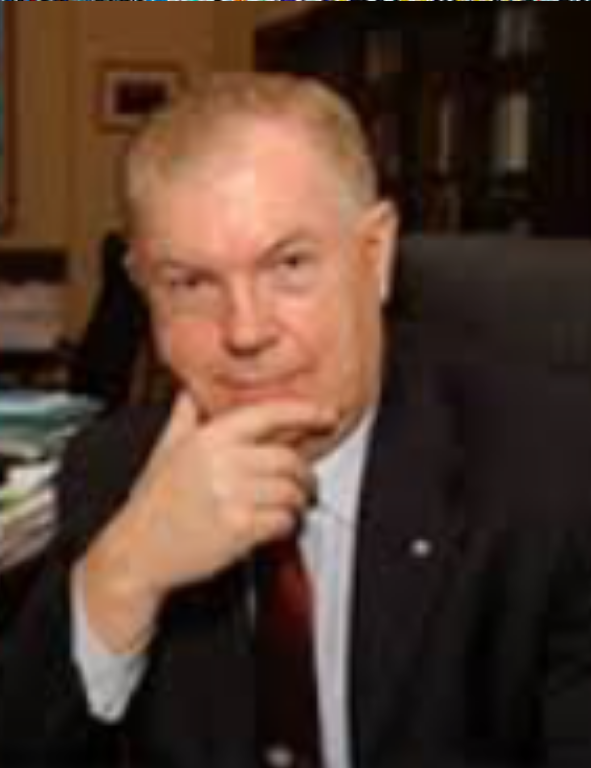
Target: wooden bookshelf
466 108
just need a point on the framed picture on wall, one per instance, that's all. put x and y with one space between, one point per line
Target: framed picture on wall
6 115
129 91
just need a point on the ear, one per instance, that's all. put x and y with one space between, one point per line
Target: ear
380 239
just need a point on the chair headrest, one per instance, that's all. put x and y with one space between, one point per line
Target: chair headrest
524 299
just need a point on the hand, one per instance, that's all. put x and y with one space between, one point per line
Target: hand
211 492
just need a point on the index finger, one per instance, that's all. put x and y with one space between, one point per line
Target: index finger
182 420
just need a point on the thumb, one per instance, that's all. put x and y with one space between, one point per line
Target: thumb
183 420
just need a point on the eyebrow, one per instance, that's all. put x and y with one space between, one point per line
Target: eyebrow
295 238
196 262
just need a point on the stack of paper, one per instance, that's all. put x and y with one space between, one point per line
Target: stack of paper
31 315
34 428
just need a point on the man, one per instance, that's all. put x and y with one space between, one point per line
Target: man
447 534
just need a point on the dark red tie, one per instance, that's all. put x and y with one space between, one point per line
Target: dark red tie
286 679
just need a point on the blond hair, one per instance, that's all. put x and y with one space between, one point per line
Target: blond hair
195 124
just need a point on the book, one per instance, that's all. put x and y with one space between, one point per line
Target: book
35 427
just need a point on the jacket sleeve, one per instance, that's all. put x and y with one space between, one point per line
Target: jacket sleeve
44 718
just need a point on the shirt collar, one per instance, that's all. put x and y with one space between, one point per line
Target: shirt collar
339 474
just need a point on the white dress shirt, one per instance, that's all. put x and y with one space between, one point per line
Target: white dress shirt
328 541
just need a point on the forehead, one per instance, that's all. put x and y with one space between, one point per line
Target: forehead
260 184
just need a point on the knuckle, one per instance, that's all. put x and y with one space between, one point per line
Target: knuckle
240 523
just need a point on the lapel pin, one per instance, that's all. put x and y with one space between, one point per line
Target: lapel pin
421 548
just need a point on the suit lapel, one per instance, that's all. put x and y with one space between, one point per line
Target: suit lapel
407 534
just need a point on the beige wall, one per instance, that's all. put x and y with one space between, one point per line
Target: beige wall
101 36
65 157
41 160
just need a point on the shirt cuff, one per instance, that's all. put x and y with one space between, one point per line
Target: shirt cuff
109 679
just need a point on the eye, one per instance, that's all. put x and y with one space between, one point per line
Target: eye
188 290
294 266
294 261
190 281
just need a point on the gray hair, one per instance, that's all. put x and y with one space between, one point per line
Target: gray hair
197 122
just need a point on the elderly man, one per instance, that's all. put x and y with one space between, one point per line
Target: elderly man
446 541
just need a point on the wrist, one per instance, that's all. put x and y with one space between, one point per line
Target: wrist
120 600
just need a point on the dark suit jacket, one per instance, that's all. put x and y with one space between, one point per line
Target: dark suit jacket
471 620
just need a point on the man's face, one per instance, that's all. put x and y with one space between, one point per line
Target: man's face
266 283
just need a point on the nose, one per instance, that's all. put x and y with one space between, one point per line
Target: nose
249 325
